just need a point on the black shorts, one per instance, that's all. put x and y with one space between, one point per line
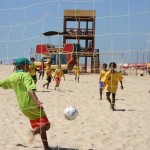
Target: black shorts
108 94
49 79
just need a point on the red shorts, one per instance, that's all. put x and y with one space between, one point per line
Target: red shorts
39 122
57 80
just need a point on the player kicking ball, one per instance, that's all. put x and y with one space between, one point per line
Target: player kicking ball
24 87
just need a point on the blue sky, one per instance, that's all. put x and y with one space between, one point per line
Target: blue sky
121 26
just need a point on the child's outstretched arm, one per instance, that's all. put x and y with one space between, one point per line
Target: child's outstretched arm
35 99
5 84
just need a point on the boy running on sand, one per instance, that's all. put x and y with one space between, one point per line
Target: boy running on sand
57 76
76 71
32 70
102 77
24 88
111 83
48 75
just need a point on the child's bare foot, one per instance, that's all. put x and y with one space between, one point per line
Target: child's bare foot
113 106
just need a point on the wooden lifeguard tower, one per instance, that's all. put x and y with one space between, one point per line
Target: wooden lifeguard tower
81 27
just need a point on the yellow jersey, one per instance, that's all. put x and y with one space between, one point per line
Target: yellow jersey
102 74
76 70
32 69
59 73
48 71
111 81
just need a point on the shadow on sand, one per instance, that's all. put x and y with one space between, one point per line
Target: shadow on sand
124 110
119 110
58 148
21 145
120 99
43 91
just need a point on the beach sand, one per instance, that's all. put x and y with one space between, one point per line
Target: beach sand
96 127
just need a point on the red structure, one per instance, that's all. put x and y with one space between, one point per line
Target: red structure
62 56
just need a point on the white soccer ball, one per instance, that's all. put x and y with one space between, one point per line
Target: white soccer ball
70 113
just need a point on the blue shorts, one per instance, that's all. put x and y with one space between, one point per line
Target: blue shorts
101 84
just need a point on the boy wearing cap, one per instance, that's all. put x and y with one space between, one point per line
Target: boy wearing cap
24 87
